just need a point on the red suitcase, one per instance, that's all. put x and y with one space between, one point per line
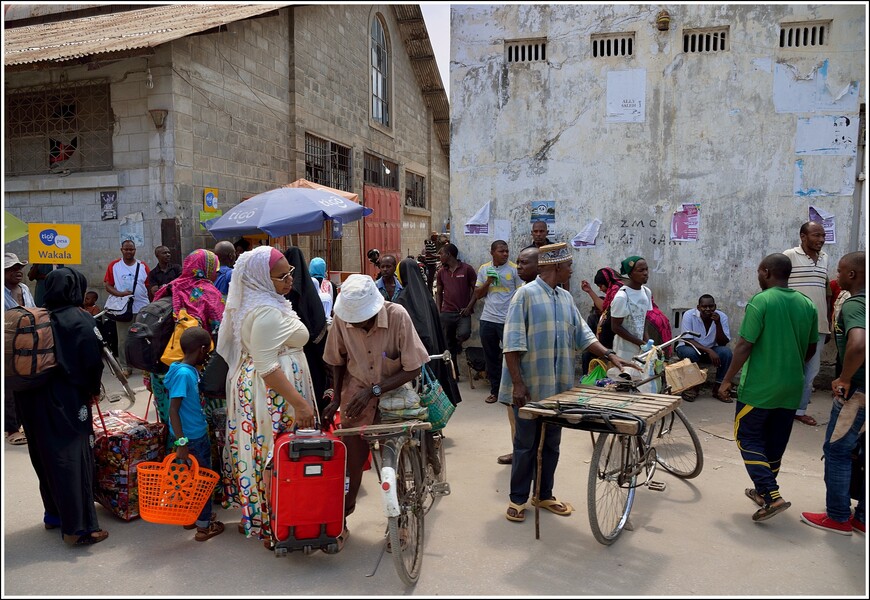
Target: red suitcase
308 488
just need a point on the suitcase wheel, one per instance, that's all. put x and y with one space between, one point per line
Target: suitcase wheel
331 549
307 550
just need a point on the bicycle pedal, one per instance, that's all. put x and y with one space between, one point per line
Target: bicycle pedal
441 489
657 486
114 398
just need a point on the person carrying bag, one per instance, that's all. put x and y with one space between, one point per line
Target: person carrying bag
120 308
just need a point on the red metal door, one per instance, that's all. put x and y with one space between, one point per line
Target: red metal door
383 228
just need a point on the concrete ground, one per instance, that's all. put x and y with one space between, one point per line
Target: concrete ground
694 538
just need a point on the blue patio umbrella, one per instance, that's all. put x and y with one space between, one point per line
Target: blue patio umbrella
285 211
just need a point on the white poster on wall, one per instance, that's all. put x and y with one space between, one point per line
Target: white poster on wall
479 223
626 96
829 135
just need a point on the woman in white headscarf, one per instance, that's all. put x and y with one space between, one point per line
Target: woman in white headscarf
269 387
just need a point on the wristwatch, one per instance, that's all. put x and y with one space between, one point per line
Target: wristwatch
608 353
182 441
376 390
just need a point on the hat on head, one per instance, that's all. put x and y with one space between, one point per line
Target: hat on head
359 299
627 266
552 254
10 260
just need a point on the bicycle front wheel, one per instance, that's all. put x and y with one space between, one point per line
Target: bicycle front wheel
678 449
612 479
407 530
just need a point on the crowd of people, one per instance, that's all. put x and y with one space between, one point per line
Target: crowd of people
299 352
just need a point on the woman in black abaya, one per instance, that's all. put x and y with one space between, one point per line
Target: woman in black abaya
57 414
306 302
420 304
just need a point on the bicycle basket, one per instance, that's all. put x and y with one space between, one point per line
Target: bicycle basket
173 493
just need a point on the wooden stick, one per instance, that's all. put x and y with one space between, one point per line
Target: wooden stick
536 499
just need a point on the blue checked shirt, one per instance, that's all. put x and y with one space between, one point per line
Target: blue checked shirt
544 325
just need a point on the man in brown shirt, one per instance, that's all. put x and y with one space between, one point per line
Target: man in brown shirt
373 349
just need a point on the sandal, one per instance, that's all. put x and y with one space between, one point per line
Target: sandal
87 539
557 507
16 438
206 533
340 541
769 510
753 495
491 399
806 420
516 512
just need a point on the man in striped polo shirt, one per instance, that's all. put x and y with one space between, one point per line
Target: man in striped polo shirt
809 275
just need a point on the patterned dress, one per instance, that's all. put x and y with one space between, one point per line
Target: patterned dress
256 414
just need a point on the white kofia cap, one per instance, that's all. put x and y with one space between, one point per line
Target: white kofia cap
358 300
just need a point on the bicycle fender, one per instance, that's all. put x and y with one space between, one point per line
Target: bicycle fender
388 492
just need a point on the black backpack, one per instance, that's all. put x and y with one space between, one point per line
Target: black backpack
148 336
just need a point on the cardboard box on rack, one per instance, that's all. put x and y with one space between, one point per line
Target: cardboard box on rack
684 375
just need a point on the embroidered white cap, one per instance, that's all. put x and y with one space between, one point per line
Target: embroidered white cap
358 300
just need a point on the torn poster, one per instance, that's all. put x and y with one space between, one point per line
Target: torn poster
824 176
827 136
132 227
820 215
586 237
545 210
794 92
685 223
626 96
479 223
501 229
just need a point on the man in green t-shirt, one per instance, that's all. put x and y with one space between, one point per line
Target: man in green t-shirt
778 335
848 411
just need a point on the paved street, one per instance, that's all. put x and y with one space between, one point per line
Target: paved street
695 538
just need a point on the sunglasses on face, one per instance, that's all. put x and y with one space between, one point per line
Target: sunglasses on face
286 277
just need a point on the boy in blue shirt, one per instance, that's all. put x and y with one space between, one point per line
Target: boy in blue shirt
187 424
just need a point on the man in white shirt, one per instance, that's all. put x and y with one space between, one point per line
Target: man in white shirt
712 346
126 277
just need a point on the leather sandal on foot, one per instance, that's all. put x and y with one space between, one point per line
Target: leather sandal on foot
557 507
806 420
505 459
87 539
206 533
16 438
491 399
516 512
753 495
769 510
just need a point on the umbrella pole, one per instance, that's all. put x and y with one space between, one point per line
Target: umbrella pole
328 248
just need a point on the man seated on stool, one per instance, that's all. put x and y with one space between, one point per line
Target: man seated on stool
711 347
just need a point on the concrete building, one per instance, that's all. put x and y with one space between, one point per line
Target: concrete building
134 114
747 114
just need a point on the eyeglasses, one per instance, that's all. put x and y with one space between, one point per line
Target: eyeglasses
286 277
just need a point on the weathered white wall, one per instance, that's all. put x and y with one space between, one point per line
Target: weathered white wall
711 135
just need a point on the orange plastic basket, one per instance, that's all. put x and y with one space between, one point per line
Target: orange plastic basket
174 493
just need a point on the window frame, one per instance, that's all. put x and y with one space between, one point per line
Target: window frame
380 65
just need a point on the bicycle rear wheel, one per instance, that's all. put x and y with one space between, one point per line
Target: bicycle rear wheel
407 530
612 479
678 449
123 400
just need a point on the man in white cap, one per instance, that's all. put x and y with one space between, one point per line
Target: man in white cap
373 349
16 294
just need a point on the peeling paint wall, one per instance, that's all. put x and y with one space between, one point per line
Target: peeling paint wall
714 133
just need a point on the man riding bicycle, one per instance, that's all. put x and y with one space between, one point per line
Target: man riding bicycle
373 349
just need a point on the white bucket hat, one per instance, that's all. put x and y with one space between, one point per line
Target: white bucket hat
11 260
359 299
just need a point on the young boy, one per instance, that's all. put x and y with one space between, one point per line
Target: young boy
90 304
187 424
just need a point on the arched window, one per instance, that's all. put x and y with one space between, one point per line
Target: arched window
380 74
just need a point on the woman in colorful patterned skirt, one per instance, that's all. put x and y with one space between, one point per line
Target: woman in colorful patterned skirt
269 388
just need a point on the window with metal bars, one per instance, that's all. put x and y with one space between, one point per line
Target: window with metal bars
59 128
380 73
612 44
415 190
328 163
705 41
375 172
798 35
526 51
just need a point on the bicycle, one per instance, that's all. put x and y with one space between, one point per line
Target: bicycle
109 359
410 483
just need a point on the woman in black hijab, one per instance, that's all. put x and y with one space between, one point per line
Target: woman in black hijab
420 304
306 302
57 414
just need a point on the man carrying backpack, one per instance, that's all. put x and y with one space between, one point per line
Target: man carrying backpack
16 293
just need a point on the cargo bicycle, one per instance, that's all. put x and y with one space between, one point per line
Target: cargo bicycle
409 460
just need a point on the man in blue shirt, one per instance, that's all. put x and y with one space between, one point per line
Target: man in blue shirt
388 284
711 347
226 254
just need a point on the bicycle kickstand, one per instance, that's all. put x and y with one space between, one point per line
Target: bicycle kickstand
380 556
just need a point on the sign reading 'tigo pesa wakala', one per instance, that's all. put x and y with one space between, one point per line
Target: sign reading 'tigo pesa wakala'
54 243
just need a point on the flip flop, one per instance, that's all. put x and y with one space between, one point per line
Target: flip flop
769 510
491 399
519 512
753 495
16 438
564 509
87 539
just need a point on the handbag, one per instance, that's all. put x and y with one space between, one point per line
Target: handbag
401 403
213 381
124 315
433 397
598 372
173 353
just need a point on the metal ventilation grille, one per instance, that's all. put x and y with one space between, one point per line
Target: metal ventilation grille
526 51
798 35
705 41
612 44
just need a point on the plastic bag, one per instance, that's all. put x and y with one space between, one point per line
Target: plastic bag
598 371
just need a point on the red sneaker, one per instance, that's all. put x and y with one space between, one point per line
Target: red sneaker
856 524
823 521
